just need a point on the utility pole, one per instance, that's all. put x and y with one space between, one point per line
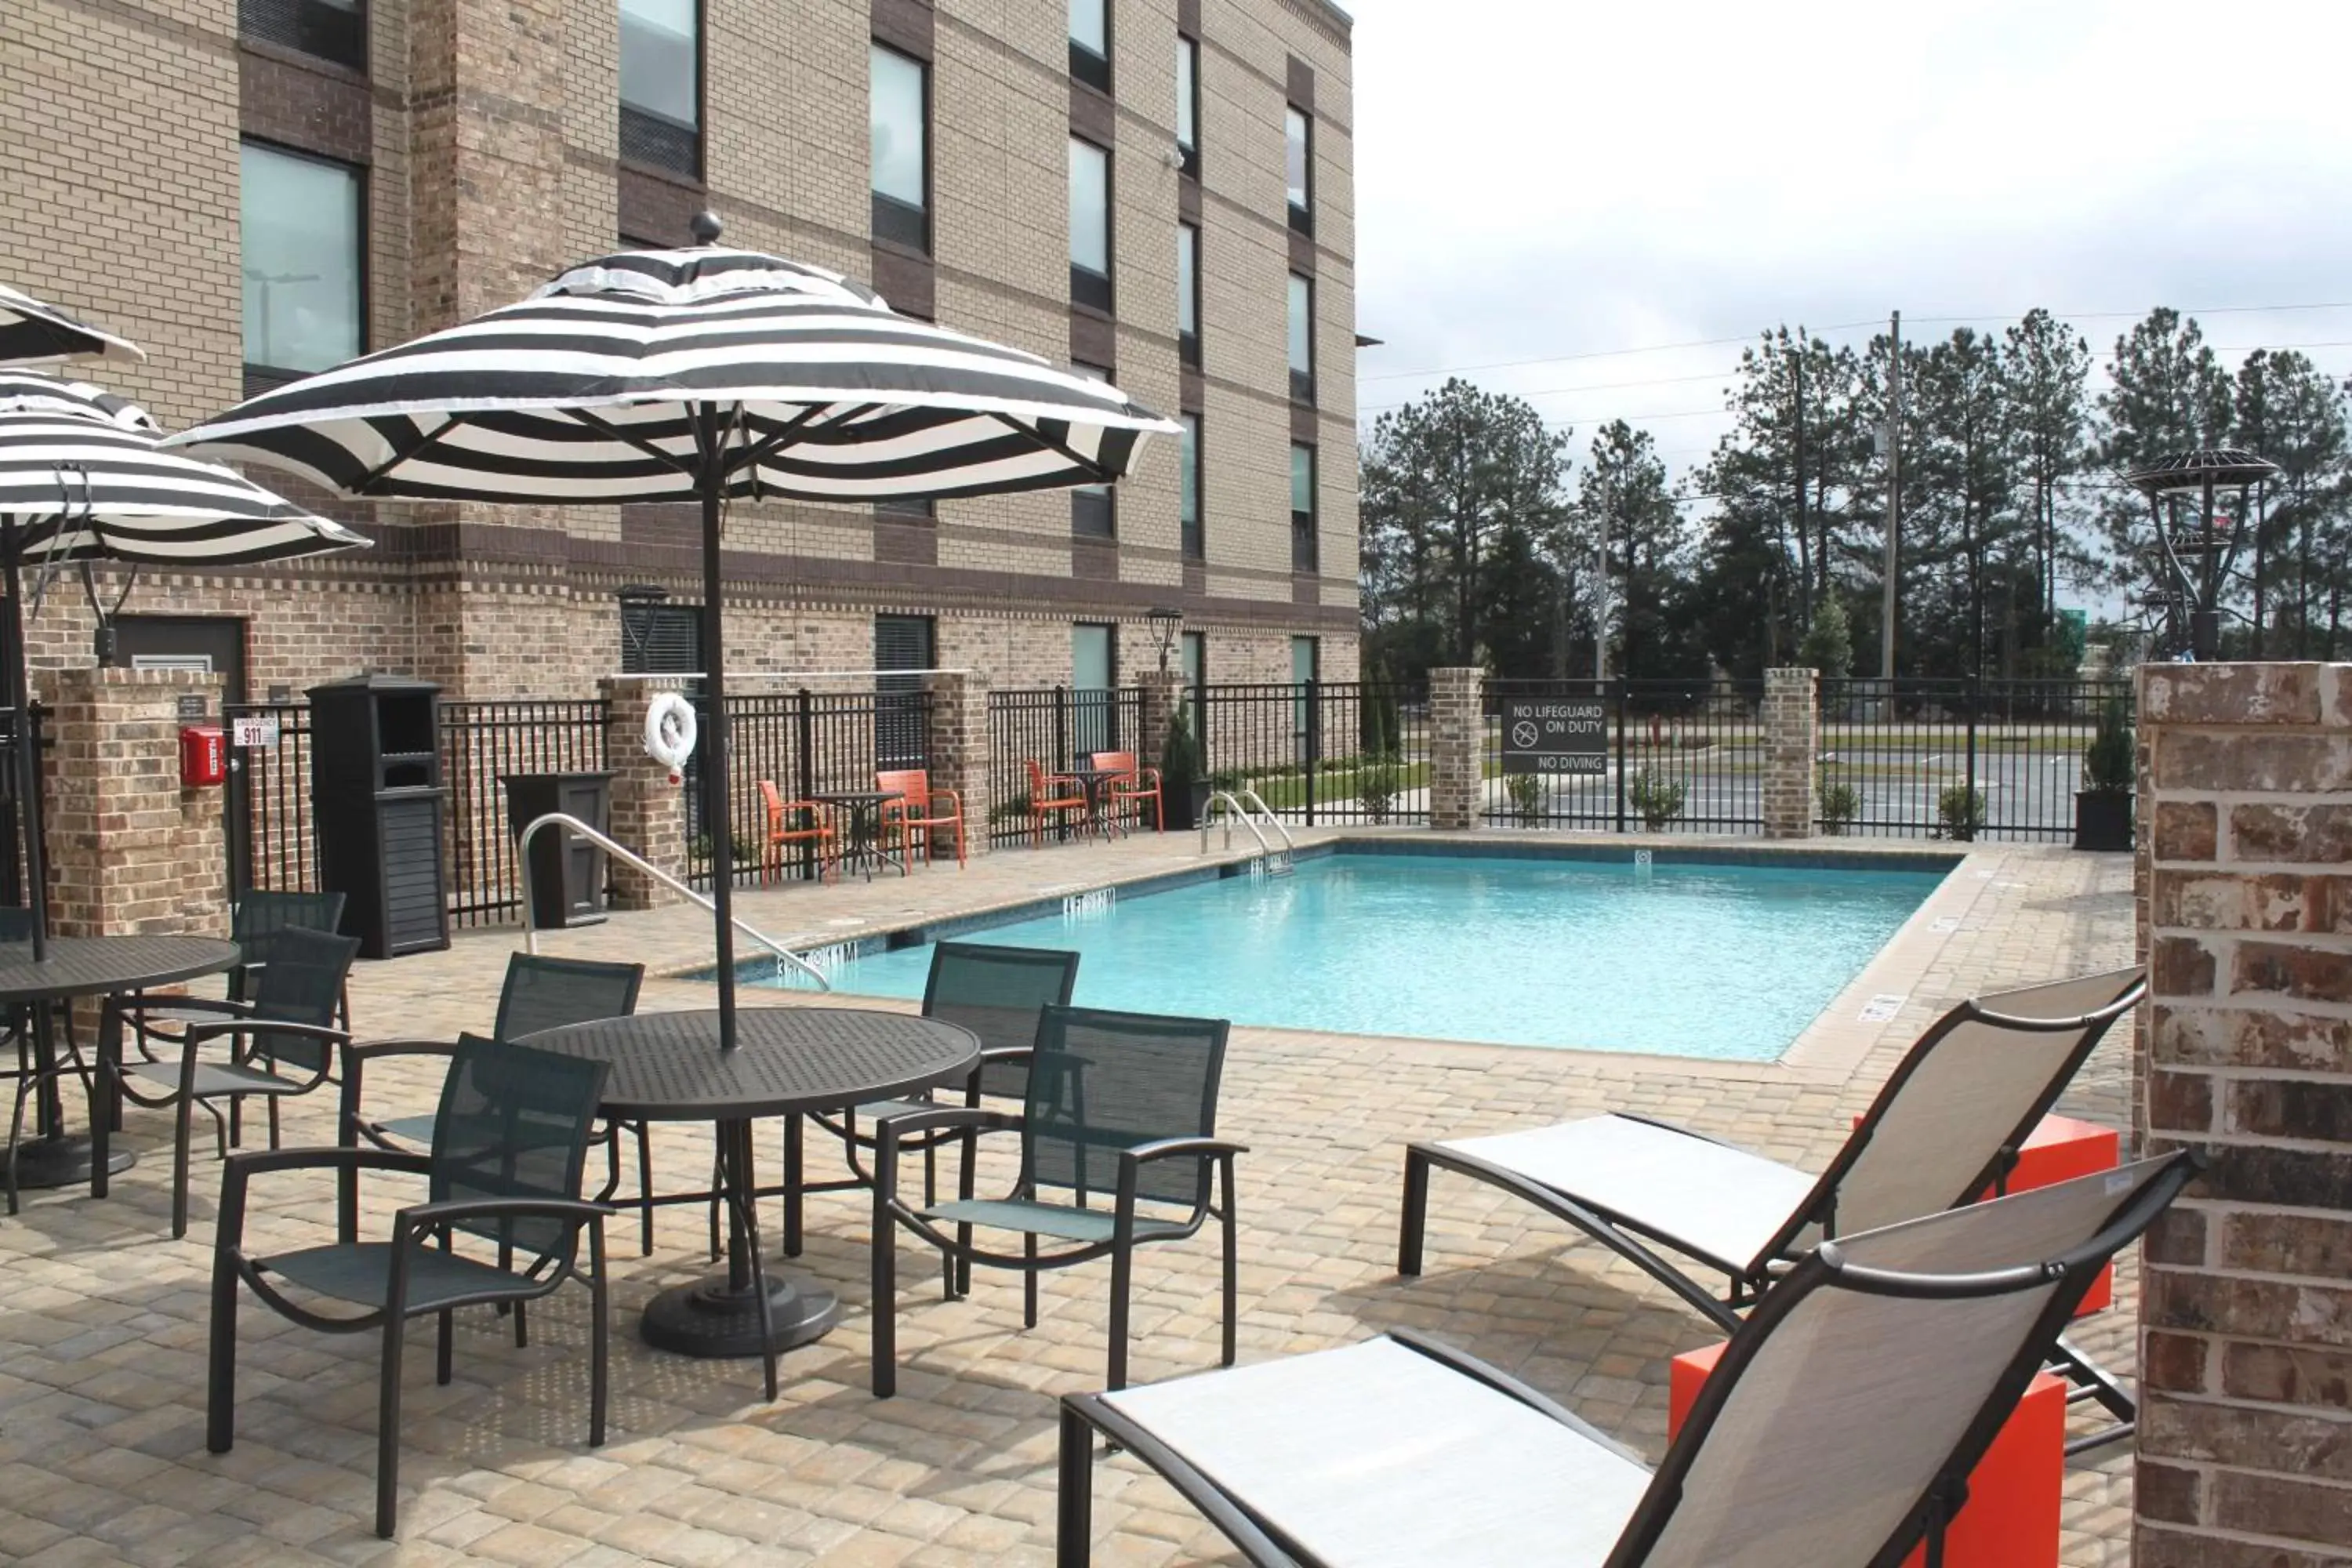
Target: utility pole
1600 597
1894 498
1797 466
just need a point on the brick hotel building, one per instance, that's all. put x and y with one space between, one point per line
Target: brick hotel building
1155 190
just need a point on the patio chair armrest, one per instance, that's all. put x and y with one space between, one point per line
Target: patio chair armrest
141 1001
2133 995
889 1130
417 1218
243 1164
954 797
327 1034
1132 1159
368 1050
1142 777
1164 1148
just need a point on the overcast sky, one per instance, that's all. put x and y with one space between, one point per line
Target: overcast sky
1538 178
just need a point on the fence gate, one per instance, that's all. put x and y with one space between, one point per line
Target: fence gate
266 807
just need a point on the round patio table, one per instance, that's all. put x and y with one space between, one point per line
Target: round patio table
108 966
668 1066
863 808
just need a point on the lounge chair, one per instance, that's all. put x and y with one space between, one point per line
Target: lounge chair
1944 1130
508 1143
1837 1431
1120 1112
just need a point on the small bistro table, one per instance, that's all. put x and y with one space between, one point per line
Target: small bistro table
108 966
863 842
668 1066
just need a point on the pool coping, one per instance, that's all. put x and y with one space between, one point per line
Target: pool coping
1828 1048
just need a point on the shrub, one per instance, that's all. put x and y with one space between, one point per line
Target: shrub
1179 761
1840 805
1658 799
1527 796
1377 784
1827 646
2108 762
1961 812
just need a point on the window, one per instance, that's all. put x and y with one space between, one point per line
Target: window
1298 164
1187 294
1305 664
1089 224
1092 511
898 120
303 264
1302 507
900 642
1193 651
1188 104
1188 510
661 639
1090 43
661 85
1302 338
332 29
1093 671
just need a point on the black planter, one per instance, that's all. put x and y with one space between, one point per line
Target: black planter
1186 805
2102 819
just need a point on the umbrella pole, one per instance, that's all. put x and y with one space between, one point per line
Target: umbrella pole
22 759
715 782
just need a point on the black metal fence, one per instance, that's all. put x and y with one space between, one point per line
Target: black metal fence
266 808
1681 755
806 745
1056 728
1958 759
481 744
14 817
1320 752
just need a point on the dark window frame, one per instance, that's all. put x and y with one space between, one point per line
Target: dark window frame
1305 541
898 715
657 125
1094 509
1193 541
1092 68
891 220
257 377
1188 344
1302 382
1302 219
292 36
1188 153
1096 290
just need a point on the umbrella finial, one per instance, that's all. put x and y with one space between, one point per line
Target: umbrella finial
705 227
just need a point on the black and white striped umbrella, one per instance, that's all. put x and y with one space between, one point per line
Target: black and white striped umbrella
35 332
649 376
82 478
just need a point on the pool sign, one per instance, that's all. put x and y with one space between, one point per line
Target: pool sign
1556 735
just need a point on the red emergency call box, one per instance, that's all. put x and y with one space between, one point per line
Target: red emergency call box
204 756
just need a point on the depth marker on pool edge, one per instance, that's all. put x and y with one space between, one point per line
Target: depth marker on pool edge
1880 1008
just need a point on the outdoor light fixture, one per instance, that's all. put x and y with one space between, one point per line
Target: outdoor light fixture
1164 623
2201 555
636 626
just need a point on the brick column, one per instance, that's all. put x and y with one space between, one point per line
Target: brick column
1791 731
1457 734
2246 1308
959 748
1163 690
649 811
130 852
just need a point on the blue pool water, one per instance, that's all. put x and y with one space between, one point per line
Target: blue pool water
1696 959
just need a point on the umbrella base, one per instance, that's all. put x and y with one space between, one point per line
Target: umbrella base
61 1162
713 1320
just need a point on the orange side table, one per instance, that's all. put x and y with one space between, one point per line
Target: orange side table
2011 1519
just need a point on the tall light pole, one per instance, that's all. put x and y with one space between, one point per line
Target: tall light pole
1893 441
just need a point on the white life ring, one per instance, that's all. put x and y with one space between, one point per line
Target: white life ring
670 732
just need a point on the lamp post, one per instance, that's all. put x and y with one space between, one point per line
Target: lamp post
1164 623
2200 558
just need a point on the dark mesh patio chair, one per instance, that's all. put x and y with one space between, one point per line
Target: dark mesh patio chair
509 1146
1837 1431
539 992
995 992
283 1042
1119 1112
1945 1129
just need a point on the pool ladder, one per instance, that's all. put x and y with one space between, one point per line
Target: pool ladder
1249 809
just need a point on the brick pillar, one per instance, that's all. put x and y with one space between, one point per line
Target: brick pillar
2246 1307
130 852
1163 690
649 811
1791 729
1457 734
959 748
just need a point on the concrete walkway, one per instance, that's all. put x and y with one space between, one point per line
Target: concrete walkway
103 1318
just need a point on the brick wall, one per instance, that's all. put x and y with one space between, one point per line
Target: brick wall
2245 1439
1792 732
648 807
958 744
1458 728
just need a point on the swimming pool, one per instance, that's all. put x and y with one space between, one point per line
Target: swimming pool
1684 957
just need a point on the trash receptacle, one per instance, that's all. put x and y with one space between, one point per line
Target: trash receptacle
377 805
567 869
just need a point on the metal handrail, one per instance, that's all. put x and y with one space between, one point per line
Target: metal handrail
1252 797
1209 811
631 858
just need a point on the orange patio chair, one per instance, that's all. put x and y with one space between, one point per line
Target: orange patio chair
1131 787
1044 803
792 822
918 809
